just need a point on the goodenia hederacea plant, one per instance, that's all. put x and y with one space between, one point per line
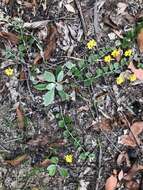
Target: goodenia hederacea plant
51 84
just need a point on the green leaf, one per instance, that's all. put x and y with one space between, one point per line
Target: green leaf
81 63
63 172
61 124
66 134
54 160
48 76
111 66
60 76
99 72
49 97
50 86
83 155
52 170
59 87
116 66
105 69
64 96
70 65
40 86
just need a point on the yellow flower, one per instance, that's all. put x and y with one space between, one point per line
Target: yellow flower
115 53
8 72
128 53
91 44
69 158
132 77
120 80
107 58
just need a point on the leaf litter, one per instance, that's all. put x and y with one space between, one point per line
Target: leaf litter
61 39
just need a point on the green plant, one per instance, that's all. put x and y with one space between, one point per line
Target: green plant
54 167
52 84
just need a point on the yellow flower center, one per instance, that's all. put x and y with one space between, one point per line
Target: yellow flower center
115 53
120 80
69 158
107 58
128 53
91 44
132 77
8 71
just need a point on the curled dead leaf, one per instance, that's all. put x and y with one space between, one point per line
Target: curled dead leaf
44 163
140 40
20 118
17 160
133 171
120 175
111 182
51 45
132 185
105 125
10 37
132 139
123 158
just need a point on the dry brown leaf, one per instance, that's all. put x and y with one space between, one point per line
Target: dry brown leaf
105 125
123 158
6 1
128 141
20 118
111 182
44 163
120 175
10 37
69 8
140 40
137 72
40 140
132 185
51 45
132 139
133 171
17 160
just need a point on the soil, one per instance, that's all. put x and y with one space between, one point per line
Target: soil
98 114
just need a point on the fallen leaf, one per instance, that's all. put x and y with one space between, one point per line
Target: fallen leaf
105 124
140 40
121 8
137 72
36 24
120 175
20 118
128 141
44 163
17 160
10 37
39 140
6 1
51 45
132 185
133 171
123 158
111 182
132 139
69 8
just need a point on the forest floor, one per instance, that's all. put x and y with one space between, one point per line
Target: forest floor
71 95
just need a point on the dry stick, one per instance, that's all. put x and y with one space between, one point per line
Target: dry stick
96 23
81 17
100 168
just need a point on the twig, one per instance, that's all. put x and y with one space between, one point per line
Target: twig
81 17
100 168
96 23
